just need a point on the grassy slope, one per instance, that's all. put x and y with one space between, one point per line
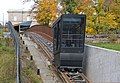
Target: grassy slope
7 60
7 64
8 67
112 46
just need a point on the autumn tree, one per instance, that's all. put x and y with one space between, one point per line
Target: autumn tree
99 20
102 16
69 6
86 7
103 21
46 11
114 7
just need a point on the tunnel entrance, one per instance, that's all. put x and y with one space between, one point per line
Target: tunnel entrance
22 26
16 27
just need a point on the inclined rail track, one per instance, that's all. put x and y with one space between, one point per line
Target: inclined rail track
67 77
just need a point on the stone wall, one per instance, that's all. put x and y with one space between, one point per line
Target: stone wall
18 16
102 65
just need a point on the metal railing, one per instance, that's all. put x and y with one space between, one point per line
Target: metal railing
15 37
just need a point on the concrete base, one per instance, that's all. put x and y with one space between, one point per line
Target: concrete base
102 65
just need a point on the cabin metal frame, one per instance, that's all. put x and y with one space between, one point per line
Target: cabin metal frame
68 40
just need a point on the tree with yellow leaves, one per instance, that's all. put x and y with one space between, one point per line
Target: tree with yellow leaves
46 11
99 21
114 7
103 20
69 6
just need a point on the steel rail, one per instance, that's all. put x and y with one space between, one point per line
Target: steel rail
62 75
87 80
65 76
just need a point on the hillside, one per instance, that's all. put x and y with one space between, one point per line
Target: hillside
7 61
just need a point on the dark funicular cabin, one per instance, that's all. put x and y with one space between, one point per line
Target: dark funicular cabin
68 41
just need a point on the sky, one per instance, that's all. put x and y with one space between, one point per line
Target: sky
6 5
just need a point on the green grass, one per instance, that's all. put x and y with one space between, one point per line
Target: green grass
7 60
29 69
7 64
32 75
112 46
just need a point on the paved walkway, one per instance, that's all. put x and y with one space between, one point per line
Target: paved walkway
41 62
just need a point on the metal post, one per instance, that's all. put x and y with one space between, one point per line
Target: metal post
18 64
26 48
19 28
38 71
23 42
3 19
31 57
22 15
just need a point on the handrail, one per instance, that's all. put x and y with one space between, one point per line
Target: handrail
15 36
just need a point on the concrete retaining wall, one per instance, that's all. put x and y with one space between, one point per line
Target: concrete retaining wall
102 65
